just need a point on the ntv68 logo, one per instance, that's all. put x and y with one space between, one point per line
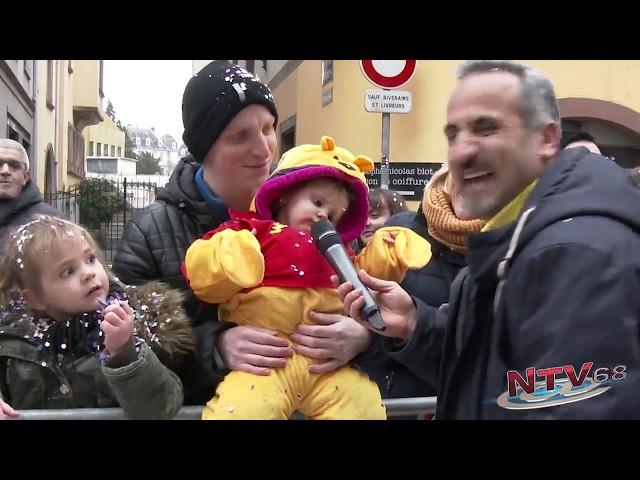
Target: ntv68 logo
550 391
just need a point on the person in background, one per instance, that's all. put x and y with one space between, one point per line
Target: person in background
20 198
580 139
383 203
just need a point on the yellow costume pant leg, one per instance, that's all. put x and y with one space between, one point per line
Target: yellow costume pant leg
245 396
345 394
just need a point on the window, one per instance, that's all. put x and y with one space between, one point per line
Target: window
138 141
102 166
16 132
28 68
147 142
99 150
174 146
327 71
106 150
50 104
327 96
27 147
75 163
287 134
159 143
113 150
101 77
12 134
119 151
91 149
570 127
288 139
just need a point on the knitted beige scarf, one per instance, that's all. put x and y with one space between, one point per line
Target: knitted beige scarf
442 223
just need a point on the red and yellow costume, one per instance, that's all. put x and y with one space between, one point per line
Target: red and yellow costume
266 274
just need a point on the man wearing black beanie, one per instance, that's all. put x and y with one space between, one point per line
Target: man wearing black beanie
213 97
229 119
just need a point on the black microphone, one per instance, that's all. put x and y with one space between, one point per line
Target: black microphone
329 243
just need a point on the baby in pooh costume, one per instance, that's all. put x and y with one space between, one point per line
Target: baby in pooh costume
263 268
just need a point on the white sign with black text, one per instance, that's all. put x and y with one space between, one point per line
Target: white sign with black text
387 101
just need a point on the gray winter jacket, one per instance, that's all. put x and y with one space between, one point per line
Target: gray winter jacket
20 210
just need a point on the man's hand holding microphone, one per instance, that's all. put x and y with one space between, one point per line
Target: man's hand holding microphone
367 299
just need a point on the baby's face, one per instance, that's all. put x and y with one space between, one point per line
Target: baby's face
317 200
72 279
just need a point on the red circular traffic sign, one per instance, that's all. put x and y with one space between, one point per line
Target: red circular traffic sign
388 73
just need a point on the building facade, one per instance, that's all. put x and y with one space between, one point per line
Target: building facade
18 104
164 148
68 99
105 139
117 166
326 97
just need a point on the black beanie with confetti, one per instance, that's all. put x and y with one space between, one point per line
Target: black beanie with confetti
213 97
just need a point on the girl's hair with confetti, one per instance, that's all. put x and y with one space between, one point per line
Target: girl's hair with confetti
383 199
30 245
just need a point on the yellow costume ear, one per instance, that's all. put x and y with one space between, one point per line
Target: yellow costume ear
327 143
365 164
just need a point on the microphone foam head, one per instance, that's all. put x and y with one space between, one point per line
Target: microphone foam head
324 235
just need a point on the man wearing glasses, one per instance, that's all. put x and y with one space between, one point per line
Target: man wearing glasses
20 199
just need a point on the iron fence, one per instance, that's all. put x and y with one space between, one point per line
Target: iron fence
104 206
396 407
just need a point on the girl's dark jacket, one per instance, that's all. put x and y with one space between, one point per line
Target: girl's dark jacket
49 365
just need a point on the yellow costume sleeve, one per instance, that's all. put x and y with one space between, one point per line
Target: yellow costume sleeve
223 265
391 261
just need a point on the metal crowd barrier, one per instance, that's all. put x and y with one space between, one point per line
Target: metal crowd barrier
396 407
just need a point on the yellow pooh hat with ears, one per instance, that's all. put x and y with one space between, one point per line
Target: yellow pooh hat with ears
308 162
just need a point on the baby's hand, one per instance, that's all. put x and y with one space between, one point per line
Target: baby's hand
7 411
390 237
117 326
